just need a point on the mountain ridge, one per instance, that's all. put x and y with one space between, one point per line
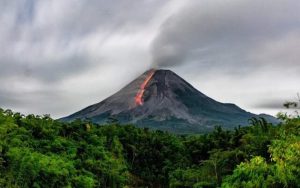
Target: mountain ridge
160 99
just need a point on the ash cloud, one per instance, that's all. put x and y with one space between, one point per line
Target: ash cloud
226 33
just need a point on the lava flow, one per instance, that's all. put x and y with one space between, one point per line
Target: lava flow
140 93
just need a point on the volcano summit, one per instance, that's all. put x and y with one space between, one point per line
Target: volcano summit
160 99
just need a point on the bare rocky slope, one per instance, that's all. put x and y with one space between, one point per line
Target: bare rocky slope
160 99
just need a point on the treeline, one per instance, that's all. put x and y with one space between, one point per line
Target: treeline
37 151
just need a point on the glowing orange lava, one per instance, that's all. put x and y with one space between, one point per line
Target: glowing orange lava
140 93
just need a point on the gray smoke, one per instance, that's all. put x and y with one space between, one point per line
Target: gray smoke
226 33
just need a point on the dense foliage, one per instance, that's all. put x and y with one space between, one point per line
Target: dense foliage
37 151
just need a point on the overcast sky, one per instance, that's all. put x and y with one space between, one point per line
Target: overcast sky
58 56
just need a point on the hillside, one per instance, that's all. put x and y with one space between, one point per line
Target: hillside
160 99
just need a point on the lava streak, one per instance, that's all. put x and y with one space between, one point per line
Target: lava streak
140 93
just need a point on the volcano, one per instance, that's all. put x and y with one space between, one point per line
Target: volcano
160 99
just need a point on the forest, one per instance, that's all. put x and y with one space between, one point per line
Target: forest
38 151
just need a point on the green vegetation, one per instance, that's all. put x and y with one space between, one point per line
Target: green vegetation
37 151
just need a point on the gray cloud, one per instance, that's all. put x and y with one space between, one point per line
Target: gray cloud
226 33
272 104
47 39
46 46
60 56
277 103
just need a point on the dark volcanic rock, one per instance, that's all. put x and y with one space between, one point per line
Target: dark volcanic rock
169 103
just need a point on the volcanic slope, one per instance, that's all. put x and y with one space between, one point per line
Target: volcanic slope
160 99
